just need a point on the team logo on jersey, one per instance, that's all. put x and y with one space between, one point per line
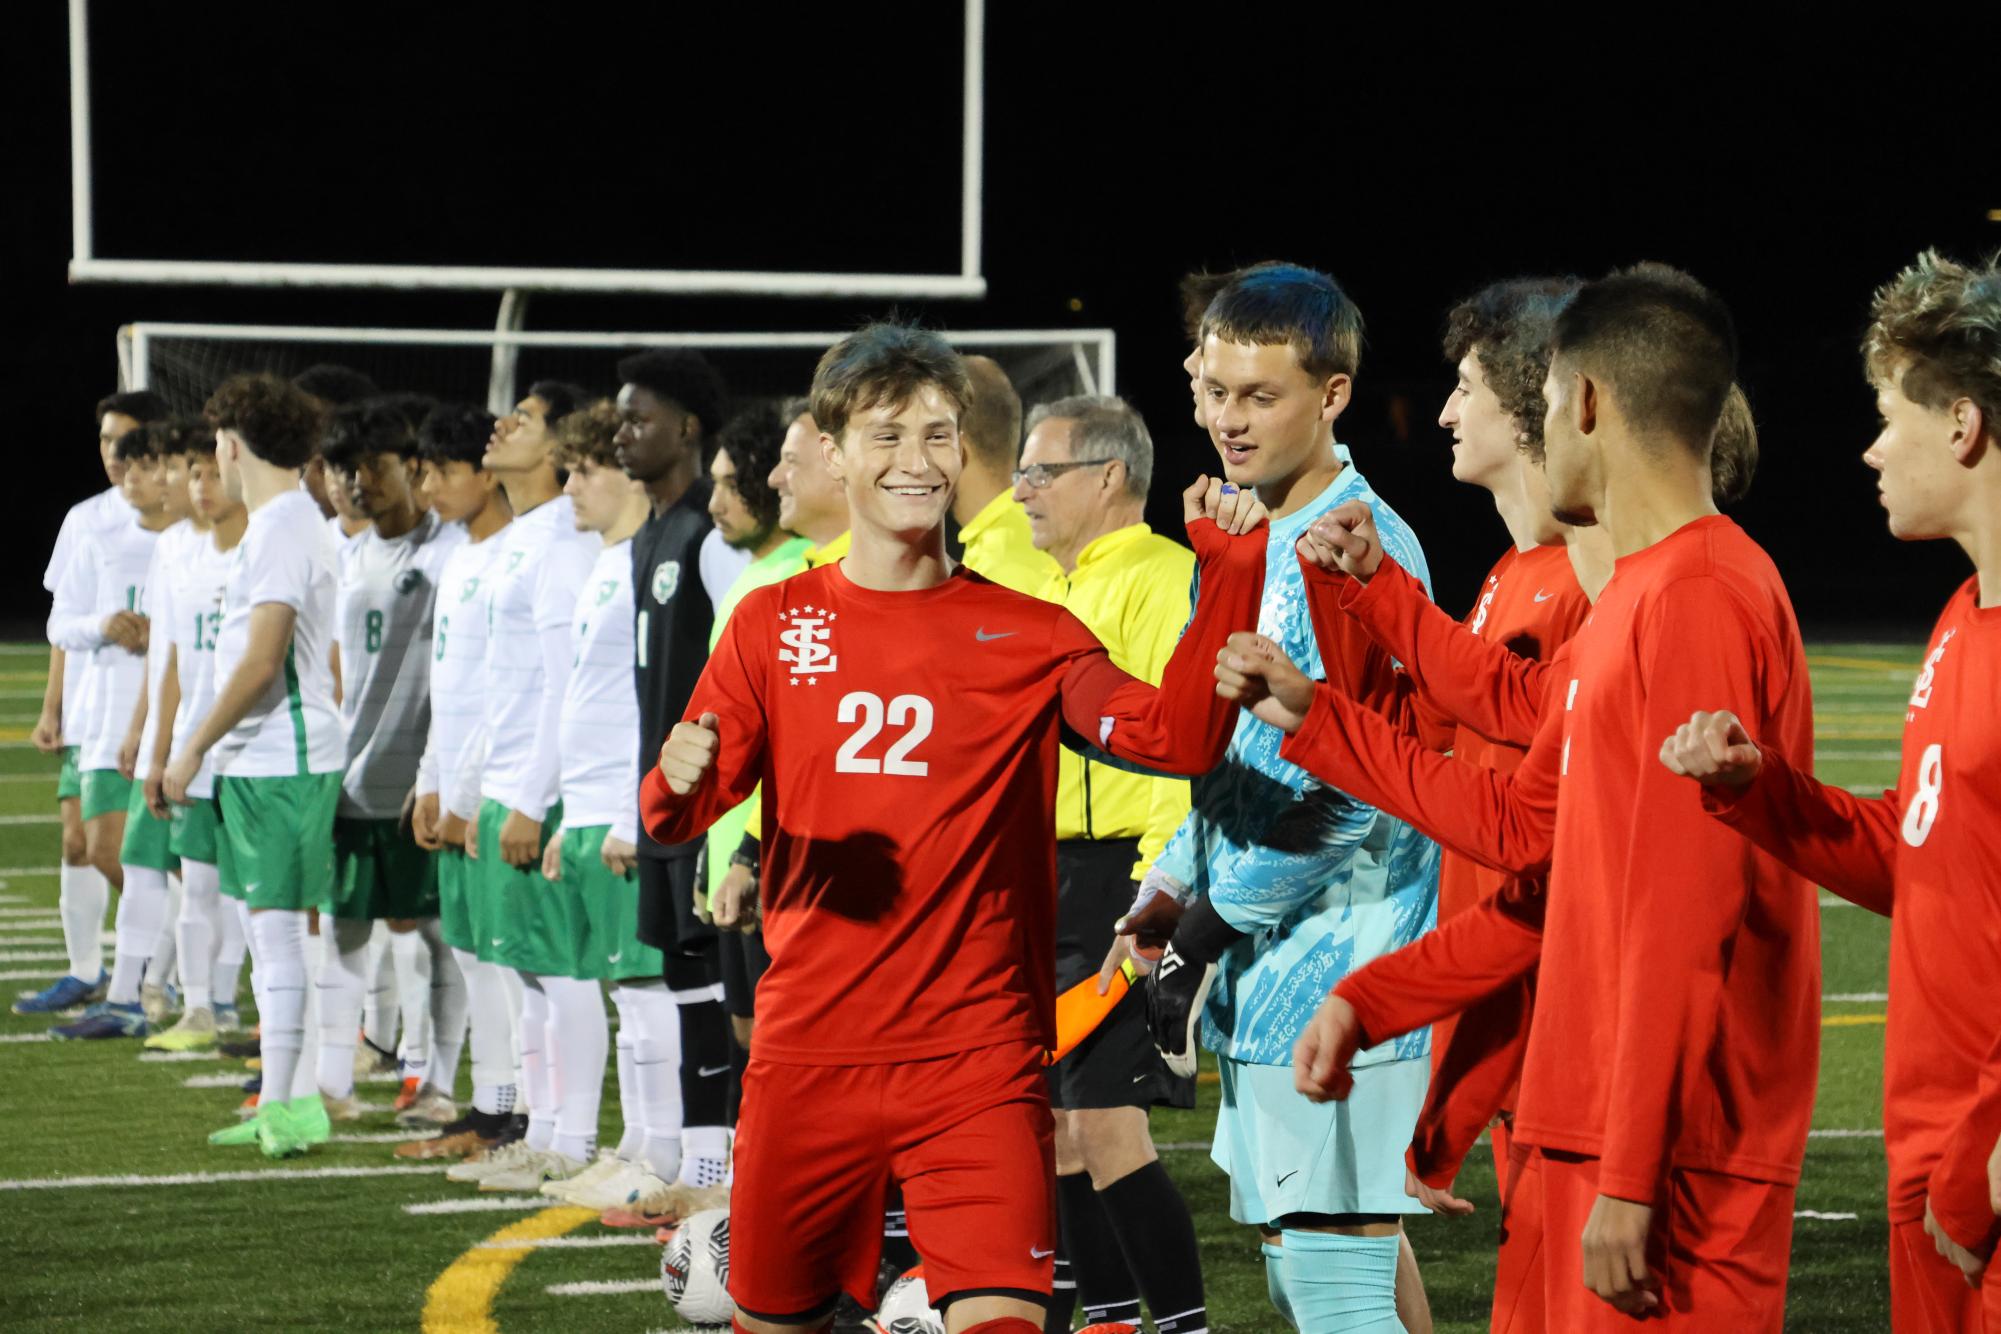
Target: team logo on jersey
514 559
607 590
1921 694
1486 605
409 581
666 580
807 639
471 587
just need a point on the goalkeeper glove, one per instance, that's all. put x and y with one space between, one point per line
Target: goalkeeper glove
1179 985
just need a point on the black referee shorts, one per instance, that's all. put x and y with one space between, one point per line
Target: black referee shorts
1118 1065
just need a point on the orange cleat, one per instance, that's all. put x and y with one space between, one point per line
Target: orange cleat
408 1093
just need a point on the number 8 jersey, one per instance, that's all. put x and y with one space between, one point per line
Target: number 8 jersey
906 743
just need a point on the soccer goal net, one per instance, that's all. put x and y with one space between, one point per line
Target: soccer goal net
184 362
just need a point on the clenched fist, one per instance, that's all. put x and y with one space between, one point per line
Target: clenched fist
689 753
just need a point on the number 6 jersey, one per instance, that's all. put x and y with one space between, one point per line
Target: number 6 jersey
906 743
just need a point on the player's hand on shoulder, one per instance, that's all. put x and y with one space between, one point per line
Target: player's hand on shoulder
1325 1049
1440 1201
689 753
1232 509
1253 671
1344 540
1714 749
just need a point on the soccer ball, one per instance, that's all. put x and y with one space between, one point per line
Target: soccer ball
906 1308
695 1269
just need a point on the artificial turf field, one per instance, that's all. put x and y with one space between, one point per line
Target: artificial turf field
114 1212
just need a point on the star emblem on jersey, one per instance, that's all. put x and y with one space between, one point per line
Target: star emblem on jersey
666 580
808 643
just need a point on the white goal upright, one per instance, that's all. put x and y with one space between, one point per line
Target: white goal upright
184 362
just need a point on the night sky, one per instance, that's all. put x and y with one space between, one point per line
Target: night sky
1792 170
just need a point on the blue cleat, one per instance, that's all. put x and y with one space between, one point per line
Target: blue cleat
65 993
227 1019
104 1021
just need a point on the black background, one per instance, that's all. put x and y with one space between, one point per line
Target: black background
1794 168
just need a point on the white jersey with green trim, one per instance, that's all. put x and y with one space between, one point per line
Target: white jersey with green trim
601 704
79 529
388 592
106 574
536 582
189 593
293 728
458 662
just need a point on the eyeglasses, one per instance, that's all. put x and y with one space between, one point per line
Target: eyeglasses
1039 475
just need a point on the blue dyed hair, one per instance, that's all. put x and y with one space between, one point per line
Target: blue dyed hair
1291 304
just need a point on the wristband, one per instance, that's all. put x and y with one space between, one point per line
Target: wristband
1202 935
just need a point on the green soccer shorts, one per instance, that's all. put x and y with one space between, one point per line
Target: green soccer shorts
192 831
105 792
380 872
613 949
69 783
278 839
147 839
533 926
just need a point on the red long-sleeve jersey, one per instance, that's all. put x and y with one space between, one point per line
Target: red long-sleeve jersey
1677 1015
1929 853
906 744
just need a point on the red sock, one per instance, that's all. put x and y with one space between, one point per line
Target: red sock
1007 1324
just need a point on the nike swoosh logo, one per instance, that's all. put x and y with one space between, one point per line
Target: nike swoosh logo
982 635
1036 1254
705 1072
1541 596
1288 1176
614 958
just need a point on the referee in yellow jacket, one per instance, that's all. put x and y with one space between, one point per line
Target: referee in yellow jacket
1126 1232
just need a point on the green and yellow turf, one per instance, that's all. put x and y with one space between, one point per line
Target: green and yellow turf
288 1250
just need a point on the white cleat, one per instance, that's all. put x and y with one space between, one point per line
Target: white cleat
534 1167
432 1108
503 1159
350 1108
605 1164
624 1190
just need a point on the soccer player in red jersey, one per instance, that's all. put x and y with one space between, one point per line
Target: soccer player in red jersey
1670 1071
903 720
1928 851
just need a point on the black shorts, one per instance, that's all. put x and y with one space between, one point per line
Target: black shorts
744 960
1118 1065
667 918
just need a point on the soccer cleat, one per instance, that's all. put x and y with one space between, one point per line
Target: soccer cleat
371 1062
499 1158
470 1135
605 1164
157 1000
228 1019
431 1108
407 1094
241 1049
624 1186
244 1133
65 993
675 1201
284 1130
104 1020
194 1031
534 1168
310 1121
344 1109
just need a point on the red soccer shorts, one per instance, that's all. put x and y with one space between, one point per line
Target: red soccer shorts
1927 1293
970 1139
1518 1278
1719 1251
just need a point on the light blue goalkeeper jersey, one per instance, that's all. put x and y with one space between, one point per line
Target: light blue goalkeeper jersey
1321 882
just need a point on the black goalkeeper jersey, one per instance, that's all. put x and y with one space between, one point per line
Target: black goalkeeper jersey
673 618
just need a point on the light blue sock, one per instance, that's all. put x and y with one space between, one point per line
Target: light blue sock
1335 1284
1275 1280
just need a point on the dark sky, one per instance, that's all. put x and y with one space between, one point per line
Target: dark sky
1792 170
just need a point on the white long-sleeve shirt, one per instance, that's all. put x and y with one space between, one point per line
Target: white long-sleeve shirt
105 574
84 519
458 676
601 706
188 592
536 582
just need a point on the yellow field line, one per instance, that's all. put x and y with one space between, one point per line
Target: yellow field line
461 1300
1850 1020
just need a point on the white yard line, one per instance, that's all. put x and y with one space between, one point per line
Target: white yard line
29 941
219 1178
223 1081
1834 901
30 819
481 1204
34 956
28 975
603 1288
176 1057
12 914
1832 1218
377 1137
29 870
571 1243
25 1037
1844 1134
1854 997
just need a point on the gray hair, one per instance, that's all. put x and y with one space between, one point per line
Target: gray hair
1104 428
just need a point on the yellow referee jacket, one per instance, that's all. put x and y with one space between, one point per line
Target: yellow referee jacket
1131 588
1000 547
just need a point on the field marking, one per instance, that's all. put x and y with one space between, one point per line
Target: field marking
55 939
1843 661
221 1081
604 1287
551 1243
34 956
29 870
1846 997
24 975
1185 1146
1844 1134
31 819
374 1137
460 1300
25 1037
480 1204
1832 1218
1850 1020
216 1178
52 914
1836 901
175 1057
48 780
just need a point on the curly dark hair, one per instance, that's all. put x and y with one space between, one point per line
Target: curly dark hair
1733 457
751 441
373 427
335 385
1508 324
279 422
455 433
588 434
186 435
1939 324
141 442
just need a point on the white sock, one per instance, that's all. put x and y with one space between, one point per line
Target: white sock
378 972
305 1074
196 930
410 957
342 980
281 965
491 1032
142 911
537 1079
632 1140
84 896
166 953
579 1040
448 1010
705 1156
656 1069
238 909
232 946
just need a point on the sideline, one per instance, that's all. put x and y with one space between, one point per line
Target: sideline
460 1301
